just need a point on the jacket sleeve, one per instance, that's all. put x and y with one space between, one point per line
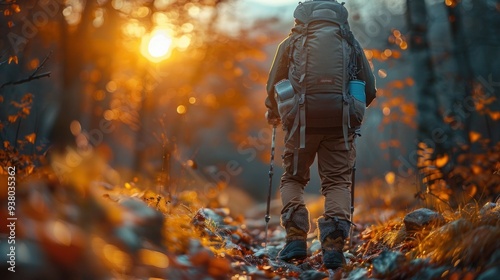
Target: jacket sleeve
366 74
278 72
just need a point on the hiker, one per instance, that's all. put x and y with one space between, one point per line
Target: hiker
310 75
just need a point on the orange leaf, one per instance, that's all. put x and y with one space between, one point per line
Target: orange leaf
29 169
476 169
469 276
495 116
6 144
31 138
13 58
16 8
410 82
442 161
422 146
474 136
394 143
201 258
27 98
10 24
444 196
153 258
470 190
390 178
26 110
398 84
219 267
12 118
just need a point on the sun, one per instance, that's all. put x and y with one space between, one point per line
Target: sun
156 46
159 45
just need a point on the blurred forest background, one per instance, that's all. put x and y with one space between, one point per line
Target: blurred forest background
164 100
193 115
196 114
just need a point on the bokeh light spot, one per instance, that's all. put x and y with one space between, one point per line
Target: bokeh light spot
386 111
181 109
75 128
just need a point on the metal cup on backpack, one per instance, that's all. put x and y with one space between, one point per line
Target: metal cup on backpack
286 99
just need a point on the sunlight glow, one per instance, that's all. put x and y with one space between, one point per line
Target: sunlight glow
156 46
159 45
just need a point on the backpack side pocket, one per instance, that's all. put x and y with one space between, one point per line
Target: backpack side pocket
287 101
356 111
357 102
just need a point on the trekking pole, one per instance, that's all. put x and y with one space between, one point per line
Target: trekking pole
353 179
271 173
353 184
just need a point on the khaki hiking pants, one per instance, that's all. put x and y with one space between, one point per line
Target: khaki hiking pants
335 165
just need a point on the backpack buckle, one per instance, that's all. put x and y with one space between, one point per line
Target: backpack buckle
301 99
302 77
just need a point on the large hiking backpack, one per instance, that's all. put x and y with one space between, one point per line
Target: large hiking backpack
322 61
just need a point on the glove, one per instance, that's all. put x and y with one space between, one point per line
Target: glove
272 119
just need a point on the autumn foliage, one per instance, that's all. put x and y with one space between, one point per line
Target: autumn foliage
78 226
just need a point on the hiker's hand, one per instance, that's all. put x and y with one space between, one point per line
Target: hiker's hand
272 119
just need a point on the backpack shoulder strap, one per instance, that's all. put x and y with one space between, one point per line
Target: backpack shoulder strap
299 124
346 120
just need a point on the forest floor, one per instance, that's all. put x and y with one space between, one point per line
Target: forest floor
85 229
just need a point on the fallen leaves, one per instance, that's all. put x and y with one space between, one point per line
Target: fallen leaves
153 258
138 232
219 267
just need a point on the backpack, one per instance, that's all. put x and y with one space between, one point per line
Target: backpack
322 61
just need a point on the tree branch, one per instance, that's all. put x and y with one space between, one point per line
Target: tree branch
33 76
41 64
30 78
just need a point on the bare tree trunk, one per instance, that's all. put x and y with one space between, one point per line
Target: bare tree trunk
73 54
431 130
81 50
461 110
480 26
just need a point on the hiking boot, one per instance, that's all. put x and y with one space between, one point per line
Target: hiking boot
296 245
296 249
333 233
332 248
295 220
